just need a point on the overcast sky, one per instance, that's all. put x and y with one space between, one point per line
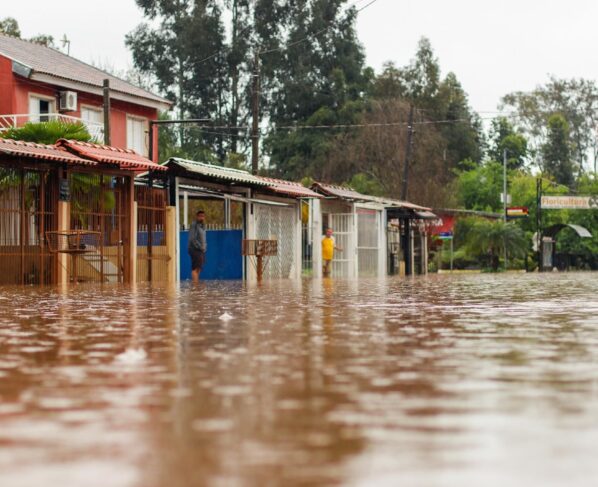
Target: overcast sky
494 47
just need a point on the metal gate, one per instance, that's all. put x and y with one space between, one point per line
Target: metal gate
343 228
152 251
28 208
98 203
367 242
278 223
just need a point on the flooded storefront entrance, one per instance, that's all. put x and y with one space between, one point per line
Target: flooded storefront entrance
432 381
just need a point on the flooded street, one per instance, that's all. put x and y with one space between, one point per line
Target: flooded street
439 381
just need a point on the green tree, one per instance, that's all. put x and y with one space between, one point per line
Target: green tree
182 46
556 151
10 27
503 136
321 80
43 40
488 239
48 132
479 188
576 100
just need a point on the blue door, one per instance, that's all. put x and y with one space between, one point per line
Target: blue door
223 258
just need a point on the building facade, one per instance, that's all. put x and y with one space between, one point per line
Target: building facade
40 83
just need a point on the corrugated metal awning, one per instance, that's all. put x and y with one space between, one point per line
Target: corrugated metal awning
218 173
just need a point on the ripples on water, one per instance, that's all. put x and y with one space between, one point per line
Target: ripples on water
439 381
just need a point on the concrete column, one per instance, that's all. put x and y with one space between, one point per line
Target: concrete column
316 235
171 233
64 224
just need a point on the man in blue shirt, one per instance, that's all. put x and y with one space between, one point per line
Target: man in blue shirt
197 244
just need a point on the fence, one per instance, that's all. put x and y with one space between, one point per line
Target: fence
278 223
342 224
367 242
28 208
152 250
99 203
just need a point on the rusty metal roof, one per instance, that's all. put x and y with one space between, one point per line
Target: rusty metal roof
341 192
346 193
290 188
51 62
18 148
218 173
126 159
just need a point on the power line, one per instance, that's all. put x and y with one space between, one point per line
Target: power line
355 125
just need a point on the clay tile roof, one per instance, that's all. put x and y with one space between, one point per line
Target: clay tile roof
290 188
18 148
51 62
125 158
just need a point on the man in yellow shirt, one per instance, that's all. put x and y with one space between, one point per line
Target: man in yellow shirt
328 248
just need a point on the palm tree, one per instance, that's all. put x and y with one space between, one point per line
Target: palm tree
490 237
49 132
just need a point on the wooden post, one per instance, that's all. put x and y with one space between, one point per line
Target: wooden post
131 242
408 154
260 268
42 222
255 109
22 222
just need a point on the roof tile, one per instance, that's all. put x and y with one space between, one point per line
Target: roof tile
19 148
125 158
48 61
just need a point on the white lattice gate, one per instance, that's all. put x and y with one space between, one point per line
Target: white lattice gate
367 242
279 223
343 228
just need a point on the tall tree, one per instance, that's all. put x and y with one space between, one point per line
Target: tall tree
576 100
185 53
556 151
503 136
10 27
320 80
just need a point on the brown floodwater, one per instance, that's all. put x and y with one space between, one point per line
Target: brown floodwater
438 381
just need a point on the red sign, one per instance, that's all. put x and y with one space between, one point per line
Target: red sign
517 212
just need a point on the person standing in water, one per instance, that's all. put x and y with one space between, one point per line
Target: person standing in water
328 248
197 245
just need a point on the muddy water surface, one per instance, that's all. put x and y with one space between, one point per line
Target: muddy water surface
439 381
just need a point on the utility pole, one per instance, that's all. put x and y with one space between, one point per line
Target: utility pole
408 153
539 231
106 91
255 137
504 174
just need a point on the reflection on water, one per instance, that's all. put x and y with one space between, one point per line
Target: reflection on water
439 381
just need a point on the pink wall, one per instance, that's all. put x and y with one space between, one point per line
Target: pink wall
14 99
6 87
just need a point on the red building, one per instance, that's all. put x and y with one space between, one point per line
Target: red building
40 83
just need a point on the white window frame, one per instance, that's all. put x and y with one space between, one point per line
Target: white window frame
35 117
145 139
93 130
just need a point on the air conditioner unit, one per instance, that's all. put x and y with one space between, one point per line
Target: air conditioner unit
68 101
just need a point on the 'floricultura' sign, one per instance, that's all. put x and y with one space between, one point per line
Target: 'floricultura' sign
569 202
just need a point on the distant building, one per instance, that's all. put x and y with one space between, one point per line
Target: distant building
38 83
